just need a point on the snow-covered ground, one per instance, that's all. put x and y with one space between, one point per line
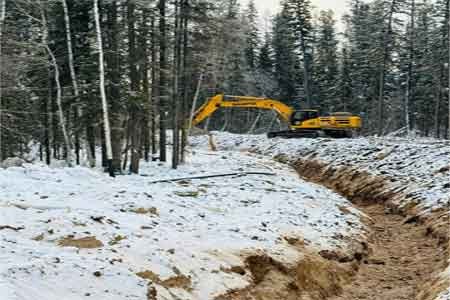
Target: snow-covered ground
421 164
183 235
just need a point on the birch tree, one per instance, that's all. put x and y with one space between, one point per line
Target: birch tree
101 66
62 120
73 76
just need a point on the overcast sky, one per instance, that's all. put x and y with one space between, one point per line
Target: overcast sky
338 6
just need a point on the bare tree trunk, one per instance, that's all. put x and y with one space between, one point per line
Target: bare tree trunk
194 103
448 12
409 80
62 121
106 125
162 81
112 60
252 129
226 121
46 125
73 76
2 22
154 91
306 72
437 105
184 137
176 74
382 75
146 89
135 122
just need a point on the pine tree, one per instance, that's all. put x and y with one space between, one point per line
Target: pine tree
326 67
286 62
300 21
251 35
2 22
265 58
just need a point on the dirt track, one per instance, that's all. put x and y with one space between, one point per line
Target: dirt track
402 259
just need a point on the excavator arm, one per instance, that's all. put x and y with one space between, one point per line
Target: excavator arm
219 101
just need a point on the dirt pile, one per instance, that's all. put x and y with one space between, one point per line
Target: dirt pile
312 278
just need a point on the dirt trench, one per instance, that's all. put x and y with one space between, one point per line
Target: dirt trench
402 260
407 249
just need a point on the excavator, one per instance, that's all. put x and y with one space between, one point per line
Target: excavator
305 123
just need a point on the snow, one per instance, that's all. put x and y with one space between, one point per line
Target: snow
195 228
445 295
412 162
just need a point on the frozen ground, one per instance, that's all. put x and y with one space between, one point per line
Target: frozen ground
422 164
184 236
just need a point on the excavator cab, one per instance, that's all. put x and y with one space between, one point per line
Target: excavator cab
300 116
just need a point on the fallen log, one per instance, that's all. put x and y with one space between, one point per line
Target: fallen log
212 176
3 227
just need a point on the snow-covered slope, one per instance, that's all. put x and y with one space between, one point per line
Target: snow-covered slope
422 164
184 236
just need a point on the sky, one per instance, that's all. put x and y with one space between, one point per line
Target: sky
338 6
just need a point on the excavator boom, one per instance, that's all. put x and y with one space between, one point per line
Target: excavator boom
218 101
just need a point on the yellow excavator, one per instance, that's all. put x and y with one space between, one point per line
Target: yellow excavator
302 123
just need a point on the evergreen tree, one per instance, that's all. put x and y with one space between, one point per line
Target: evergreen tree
286 61
251 35
265 58
300 22
326 66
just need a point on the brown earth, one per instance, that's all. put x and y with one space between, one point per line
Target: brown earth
83 243
312 278
402 258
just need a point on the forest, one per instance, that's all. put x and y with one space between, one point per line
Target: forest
119 74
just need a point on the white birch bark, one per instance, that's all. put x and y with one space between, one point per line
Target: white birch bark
73 74
107 128
2 21
62 120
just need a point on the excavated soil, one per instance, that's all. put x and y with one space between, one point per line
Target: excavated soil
312 278
402 258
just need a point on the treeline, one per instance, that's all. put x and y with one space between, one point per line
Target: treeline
155 58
